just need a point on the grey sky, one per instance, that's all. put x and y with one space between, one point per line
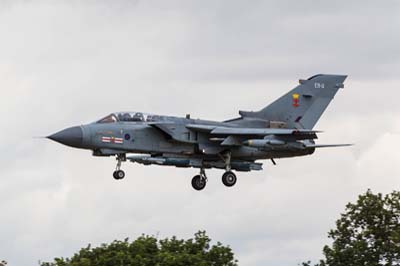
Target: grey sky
70 62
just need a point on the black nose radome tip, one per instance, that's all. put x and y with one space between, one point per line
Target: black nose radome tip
72 136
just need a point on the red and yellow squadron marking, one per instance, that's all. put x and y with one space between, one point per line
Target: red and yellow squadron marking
296 100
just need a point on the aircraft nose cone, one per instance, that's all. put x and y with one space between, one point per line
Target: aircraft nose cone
72 136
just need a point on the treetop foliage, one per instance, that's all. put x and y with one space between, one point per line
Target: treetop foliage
367 234
149 251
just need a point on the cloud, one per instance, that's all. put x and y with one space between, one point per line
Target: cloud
72 62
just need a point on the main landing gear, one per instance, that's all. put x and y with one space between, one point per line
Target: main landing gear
118 173
199 181
228 178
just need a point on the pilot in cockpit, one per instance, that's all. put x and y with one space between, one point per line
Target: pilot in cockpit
138 117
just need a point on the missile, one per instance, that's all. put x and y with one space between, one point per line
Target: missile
147 160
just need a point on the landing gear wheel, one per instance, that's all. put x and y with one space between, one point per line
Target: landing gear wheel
229 179
119 174
198 182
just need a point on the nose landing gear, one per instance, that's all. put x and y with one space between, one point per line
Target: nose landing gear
118 173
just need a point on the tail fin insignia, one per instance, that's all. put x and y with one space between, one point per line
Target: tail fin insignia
296 98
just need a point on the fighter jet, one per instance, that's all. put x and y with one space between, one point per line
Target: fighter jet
280 130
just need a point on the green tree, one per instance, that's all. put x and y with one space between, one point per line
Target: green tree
367 234
148 251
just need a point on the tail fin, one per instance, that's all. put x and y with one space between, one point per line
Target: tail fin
303 106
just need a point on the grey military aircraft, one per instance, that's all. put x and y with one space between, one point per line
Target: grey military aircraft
282 129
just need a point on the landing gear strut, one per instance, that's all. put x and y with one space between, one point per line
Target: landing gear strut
118 173
228 178
199 181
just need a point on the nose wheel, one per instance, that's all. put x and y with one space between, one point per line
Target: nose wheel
118 173
199 181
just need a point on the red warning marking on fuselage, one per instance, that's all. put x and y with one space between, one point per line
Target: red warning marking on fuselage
112 140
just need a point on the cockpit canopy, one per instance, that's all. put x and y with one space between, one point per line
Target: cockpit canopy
131 117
